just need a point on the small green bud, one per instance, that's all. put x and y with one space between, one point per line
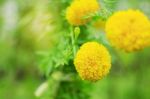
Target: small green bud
76 32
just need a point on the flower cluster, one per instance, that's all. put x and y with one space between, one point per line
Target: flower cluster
128 30
92 61
79 9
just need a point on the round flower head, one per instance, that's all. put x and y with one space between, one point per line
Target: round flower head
79 9
92 61
128 30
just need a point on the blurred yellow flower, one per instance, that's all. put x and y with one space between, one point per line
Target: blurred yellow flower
128 30
79 9
92 61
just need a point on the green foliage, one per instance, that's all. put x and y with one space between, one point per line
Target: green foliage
56 58
110 4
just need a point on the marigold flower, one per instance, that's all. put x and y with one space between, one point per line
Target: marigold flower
79 9
128 30
92 61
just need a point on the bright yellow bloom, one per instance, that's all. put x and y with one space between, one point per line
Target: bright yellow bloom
92 61
79 9
128 30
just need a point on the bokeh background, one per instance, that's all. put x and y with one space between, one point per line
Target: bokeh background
30 26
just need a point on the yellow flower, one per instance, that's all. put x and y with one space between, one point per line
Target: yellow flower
92 61
79 9
128 30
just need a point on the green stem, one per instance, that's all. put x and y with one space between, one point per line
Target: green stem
73 41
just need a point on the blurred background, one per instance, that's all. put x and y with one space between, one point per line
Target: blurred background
28 27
